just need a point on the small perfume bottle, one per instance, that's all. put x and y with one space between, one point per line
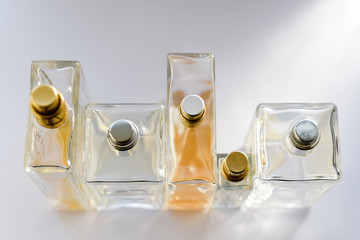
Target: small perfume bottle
54 133
124 155
235 180
296 148
191 131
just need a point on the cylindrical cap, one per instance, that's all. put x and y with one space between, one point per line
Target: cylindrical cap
122 134
305 134
235 167
48 106
192 108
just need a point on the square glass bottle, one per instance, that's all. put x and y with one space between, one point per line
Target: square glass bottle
235 180
296 149
124 155
55 129
191 131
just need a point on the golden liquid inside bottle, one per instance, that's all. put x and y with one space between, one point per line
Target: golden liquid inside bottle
50 157
52 146
61 183
193 177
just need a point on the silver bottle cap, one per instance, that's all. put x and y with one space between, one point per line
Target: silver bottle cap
305 134
122 134
192 107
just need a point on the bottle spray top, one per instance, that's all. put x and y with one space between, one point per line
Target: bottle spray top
122 134
48 106
235 167
305 134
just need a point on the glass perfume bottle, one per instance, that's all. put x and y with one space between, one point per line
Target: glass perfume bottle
54 133
191 131
296 148
124 155
235 180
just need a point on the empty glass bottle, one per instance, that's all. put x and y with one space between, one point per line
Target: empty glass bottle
55 130
124 155
191 131
296 152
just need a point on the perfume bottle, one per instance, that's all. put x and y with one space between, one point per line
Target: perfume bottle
191 131
54 133
235 180
124 155
296 148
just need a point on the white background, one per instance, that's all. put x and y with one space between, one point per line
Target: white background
266 51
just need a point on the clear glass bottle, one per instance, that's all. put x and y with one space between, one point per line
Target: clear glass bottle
296 150
54 133
235 180
191 131
124 155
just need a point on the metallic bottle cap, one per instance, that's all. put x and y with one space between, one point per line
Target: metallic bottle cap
122 134
235 167
48 106
192 108
305 134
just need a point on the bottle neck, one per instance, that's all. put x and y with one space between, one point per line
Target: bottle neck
48 106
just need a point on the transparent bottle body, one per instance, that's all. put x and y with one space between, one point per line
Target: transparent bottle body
232 194
191 149
285 175
52 156
131 178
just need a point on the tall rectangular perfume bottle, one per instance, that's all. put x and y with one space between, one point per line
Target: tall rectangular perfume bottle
235 180
191 131
296 148
54 133
124 155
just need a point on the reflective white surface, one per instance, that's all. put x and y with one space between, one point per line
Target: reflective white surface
266 51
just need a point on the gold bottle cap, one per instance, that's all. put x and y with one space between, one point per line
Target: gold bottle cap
48 106
235 167
192 108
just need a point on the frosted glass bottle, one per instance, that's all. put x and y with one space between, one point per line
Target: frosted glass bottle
124 155
296 151
235 180
191 131
55 130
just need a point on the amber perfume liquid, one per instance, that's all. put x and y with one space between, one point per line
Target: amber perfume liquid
50 165
191 128
53 149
